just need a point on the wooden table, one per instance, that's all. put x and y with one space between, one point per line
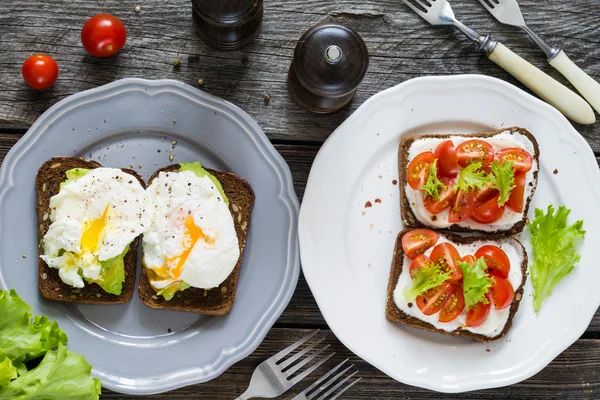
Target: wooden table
401 47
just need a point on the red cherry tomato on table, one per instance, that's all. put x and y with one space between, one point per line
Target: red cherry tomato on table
418 169
419 262
447 256
103 35
502 293
454 305
473 151
496 260
463 206
417 241
517 196
447 164
40 71
521 159
445 200
433 300
479 313
488 212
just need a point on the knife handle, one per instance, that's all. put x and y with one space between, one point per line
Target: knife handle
587 86
550 90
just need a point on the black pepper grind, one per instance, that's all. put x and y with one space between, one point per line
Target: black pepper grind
227 24
330 61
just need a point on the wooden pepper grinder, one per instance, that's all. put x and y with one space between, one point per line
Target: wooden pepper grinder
227 24
329 63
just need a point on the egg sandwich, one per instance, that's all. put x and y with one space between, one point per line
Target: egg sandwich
193 248
89 221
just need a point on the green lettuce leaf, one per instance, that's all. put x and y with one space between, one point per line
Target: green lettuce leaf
503 179
61 375
112 274
428 277
74 174
433 186
554 255
472 178
7 371
476 283
200 171
22 339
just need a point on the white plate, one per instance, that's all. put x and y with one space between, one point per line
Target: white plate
346 255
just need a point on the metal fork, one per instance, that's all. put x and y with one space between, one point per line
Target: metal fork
439 12
273 376
313 391
508 12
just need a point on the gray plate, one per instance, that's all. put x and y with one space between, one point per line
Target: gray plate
132 348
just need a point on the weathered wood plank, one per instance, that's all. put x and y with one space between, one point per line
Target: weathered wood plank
572 375
402 46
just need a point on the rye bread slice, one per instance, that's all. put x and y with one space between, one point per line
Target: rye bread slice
394 314
219 300
51 287
409 218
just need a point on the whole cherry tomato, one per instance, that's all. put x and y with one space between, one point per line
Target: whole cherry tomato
103 35
40 71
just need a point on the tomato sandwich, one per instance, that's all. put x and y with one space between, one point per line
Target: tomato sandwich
479 182
456 285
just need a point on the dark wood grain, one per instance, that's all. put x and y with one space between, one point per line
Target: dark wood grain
401 45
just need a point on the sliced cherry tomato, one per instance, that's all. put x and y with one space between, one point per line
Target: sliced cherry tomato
487 192
40 71
419 262
447 256
517 196
433 300
103 35
502 293
496 260
522 160
454 305
478 314
475 150
418 169
418 241
445 200
488 212
469 259
463 206
447 164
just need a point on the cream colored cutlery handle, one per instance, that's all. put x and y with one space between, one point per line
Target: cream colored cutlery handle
564 99
587 86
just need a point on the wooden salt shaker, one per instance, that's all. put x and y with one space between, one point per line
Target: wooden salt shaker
227 24
329 63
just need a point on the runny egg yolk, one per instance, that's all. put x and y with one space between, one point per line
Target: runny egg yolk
174 265
92 231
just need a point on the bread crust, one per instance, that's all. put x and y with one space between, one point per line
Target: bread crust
409 218
219 300
394 314
50 286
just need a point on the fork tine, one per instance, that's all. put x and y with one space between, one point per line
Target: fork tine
320 380
329 383
293 346
306 360
414 8
311 369
333 389
346 388
291 360
486 5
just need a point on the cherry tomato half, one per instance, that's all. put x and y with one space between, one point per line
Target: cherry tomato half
478 314
488 212
419 262
445 200
517 196
433 300
463 206
487 192
40 71
418 169
496 260
502 293
447 164
469 259
418 241
475 150
103 35
447 256
522 160
454 305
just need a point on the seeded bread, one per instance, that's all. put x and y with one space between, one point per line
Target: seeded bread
219 300
409 218
47 183
394 314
